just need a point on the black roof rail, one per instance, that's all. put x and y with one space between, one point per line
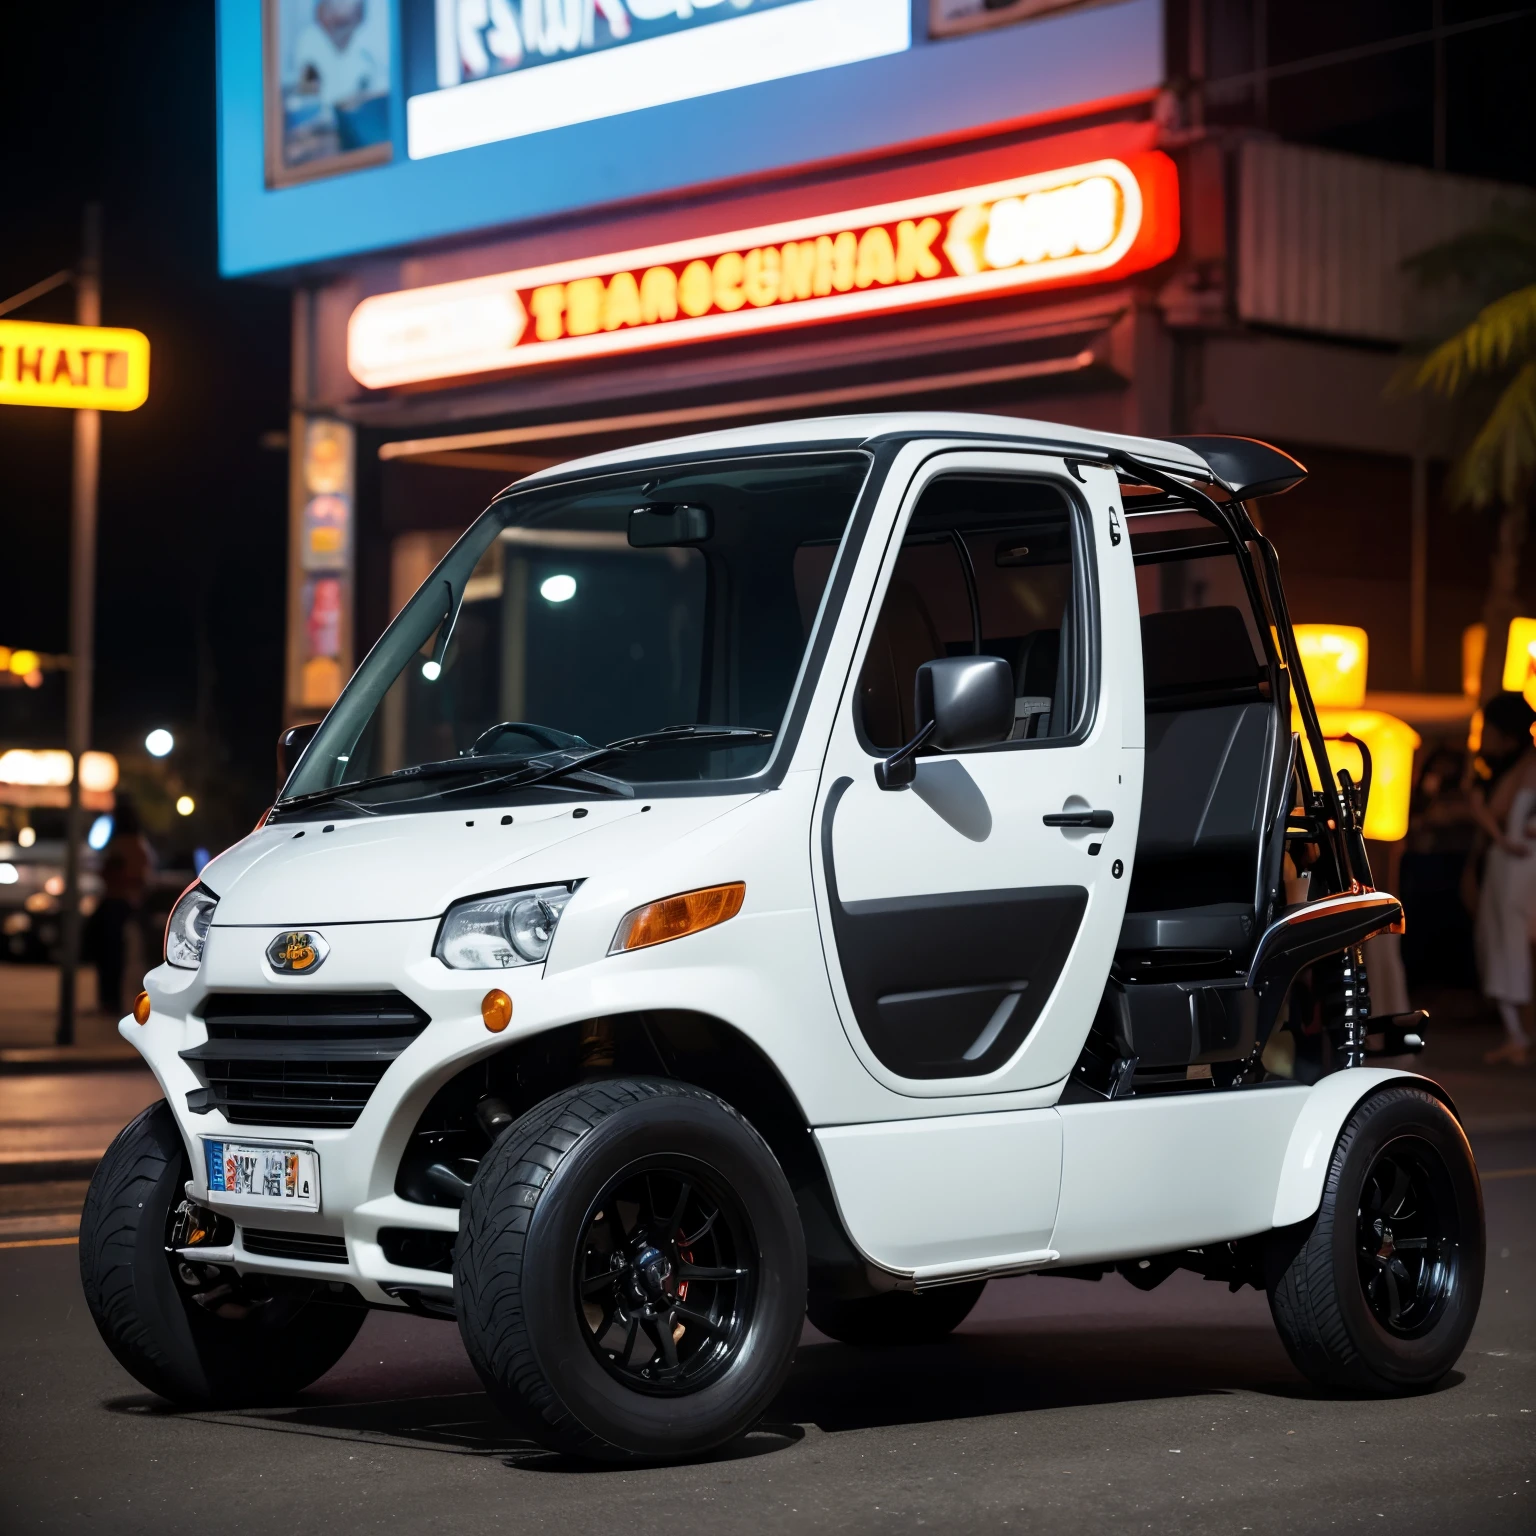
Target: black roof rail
1247 467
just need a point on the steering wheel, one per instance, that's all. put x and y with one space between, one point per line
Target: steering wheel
543 736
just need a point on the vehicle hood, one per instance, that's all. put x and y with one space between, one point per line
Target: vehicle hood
410 866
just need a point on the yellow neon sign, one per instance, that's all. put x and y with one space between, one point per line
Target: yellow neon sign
1334 658
84 367
1093 221
1520 658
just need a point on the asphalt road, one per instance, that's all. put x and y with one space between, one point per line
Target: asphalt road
1059 1405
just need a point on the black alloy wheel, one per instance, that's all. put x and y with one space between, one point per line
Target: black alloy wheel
1408 1235
665 1277
1377 1292
630 1272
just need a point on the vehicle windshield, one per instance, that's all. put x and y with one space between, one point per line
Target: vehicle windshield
568 618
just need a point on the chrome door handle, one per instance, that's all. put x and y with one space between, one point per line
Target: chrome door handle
1096 819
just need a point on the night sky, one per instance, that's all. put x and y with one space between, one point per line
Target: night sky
116 104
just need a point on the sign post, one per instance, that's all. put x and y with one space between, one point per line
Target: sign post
87 368
82 621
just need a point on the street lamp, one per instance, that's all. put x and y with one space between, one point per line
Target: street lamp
159 742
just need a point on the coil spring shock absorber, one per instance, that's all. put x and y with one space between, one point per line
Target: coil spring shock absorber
1345 995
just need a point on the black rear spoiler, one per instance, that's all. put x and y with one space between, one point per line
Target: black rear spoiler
1247 467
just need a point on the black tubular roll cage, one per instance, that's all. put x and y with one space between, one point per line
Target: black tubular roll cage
1339 826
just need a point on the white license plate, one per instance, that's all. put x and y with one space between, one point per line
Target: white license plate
253 1174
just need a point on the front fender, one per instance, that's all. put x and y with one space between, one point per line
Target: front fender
1316 1133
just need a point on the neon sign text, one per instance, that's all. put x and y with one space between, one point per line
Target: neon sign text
1105 218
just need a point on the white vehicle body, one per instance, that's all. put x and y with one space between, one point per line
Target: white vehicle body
1010 1172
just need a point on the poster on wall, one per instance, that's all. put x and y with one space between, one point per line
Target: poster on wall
947 18
327 69
324 493
506 68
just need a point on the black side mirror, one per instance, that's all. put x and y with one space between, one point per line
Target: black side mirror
665 525
290 748
967 701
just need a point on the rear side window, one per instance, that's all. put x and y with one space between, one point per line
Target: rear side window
990 566
1200 641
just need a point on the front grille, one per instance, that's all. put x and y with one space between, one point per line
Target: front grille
311 1060
316 1247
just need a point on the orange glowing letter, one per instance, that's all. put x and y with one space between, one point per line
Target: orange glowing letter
761 281
729 270
914 249
797 268
548 306
621 303
583 305
658 295
877 258
696 288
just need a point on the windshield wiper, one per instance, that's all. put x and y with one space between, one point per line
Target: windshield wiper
539 770
543 772
448 767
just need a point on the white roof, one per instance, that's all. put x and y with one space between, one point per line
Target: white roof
850 430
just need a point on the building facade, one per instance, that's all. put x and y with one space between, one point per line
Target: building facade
517 233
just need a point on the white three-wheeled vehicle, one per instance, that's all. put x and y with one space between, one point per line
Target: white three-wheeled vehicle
811 867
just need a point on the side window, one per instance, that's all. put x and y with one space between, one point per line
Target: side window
1200 639
990 565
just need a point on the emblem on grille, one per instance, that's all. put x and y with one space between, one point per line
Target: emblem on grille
297 952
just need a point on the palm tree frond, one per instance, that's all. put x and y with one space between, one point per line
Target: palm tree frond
1495 257
1500 463
1502 332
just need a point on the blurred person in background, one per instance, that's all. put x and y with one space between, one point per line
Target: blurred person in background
1504 806
127 867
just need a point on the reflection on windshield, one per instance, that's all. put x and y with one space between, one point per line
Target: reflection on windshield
547 632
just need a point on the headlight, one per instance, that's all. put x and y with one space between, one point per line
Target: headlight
187 930
494 933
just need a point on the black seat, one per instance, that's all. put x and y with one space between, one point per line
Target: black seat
1225 926
1215 755
1036 662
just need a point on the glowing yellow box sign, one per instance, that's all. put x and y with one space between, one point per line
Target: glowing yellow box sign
1520 658
86 367
1334 658
1106 217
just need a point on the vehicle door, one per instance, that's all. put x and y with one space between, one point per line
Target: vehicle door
970 920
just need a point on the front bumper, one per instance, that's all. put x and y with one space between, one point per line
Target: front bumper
358 1163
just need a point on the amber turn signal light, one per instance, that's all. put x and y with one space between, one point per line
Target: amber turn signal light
675 916
141 1006
496 1010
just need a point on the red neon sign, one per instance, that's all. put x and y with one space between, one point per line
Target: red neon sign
1090 222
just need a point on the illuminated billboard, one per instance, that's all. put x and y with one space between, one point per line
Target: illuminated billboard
505 72
355 126
1093 221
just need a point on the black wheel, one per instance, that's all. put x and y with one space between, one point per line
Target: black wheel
196 1336
896 1317
630 1272
1379 1291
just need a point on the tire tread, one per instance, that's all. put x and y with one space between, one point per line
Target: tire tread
493 1239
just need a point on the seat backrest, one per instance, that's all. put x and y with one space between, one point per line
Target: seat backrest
1036 660
1212 745
1190 655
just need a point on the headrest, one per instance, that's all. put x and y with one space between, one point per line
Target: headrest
1195 649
